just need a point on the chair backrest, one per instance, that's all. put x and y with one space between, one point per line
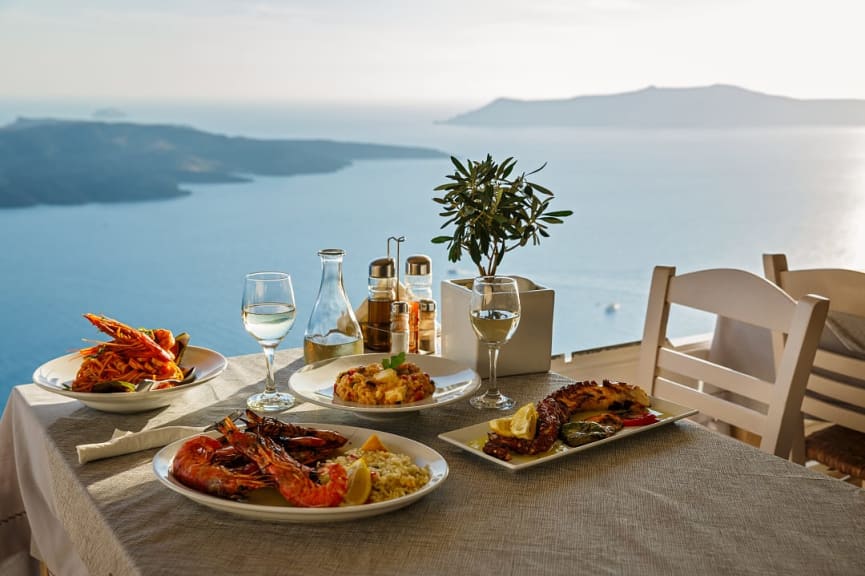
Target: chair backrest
745 297
836 389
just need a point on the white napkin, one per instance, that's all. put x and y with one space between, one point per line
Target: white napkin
126 442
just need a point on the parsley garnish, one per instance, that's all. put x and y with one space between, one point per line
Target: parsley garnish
393 361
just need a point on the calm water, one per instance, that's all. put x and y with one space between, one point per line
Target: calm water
685 198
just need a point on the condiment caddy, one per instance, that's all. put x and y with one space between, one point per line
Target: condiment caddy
401 316
394 318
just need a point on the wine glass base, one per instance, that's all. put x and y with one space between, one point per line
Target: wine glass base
275 402
492 402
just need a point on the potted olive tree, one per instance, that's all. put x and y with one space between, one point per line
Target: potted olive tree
493 210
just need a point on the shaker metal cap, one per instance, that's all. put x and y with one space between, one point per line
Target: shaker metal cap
399 307
427 305
418 265
382 268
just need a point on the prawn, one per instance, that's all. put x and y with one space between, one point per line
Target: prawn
293 480
131 356
196 465
129 339
304 444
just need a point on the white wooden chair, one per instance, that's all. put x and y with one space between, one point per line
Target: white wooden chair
836 388
743 296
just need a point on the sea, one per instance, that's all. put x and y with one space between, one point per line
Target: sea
690 198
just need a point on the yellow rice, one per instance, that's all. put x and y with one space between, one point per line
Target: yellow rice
365 384
393 475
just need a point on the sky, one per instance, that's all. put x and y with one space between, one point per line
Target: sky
384 51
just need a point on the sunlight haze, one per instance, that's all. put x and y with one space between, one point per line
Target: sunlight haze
450 50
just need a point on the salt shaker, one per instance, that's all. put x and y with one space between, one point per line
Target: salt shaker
399 327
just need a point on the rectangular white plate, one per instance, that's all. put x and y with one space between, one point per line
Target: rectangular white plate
472 438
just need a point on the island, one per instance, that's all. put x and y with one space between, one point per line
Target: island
70 162
699 107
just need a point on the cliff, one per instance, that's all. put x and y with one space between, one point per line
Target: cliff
711 106
44 161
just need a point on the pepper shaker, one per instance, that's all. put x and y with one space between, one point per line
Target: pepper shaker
426 341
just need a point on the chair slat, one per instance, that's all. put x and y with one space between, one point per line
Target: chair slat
840 364
848 393
715 374
842 287
719 291
833 413
709 405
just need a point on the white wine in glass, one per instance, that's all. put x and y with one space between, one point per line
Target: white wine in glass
268 313
495 314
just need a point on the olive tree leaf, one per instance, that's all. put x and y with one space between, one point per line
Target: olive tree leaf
492 212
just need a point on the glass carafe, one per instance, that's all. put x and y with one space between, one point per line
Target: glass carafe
333 329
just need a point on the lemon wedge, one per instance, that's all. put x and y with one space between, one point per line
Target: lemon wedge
373 443
359 483
524 422
501 426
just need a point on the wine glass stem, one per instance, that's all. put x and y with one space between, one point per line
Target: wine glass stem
493 389
269 382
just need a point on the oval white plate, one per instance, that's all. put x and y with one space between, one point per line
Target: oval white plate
53 375
453 381
420 454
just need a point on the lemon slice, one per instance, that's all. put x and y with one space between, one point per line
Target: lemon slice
501 426
359 483
524 422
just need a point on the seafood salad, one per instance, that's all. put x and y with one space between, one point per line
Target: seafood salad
576 414
131 357
305 465
389 382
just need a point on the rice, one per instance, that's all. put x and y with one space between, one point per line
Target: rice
372 384
393 475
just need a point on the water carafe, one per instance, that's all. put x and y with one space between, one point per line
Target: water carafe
333 329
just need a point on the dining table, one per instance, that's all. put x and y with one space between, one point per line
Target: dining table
676 499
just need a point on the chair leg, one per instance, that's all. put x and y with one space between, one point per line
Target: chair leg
797 449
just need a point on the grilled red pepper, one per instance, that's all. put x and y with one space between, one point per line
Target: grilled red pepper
648 418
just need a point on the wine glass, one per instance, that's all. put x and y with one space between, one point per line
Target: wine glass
268 313
495 315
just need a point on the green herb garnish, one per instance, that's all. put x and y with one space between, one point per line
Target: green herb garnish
393 361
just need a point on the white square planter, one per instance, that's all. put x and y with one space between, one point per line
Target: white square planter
530 349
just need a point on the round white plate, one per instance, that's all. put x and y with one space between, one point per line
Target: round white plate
453 381
420 454
58 373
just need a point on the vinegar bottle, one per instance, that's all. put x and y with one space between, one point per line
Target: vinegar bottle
333 329
382 293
